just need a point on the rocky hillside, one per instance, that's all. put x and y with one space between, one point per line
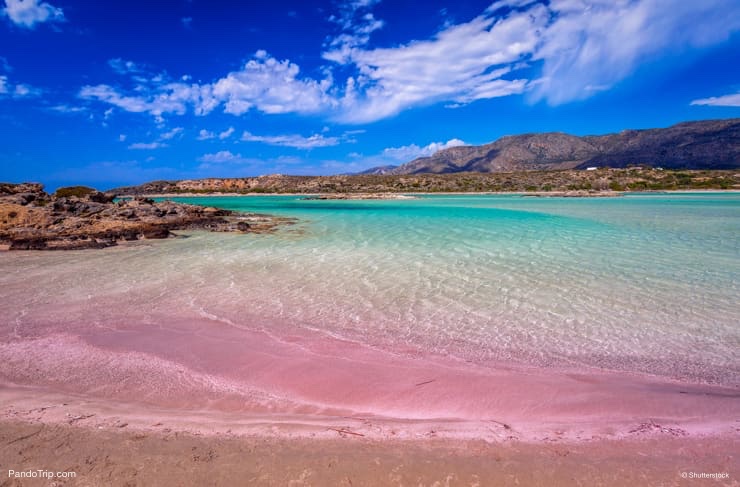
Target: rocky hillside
707 144
631 179
80 217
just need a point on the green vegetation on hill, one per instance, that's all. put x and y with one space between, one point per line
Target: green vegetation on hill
603 179
76 191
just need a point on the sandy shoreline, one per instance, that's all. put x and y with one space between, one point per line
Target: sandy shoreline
120 456
118 444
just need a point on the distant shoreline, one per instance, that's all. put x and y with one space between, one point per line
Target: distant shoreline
443 193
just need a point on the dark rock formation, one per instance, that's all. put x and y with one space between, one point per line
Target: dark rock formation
31 219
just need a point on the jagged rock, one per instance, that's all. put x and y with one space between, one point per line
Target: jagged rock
90 219
10 188
156 232
28 244
99 197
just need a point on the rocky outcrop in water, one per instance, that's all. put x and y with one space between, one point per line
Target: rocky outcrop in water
80 218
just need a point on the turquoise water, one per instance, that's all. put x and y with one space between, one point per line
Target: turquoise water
645 283
613 282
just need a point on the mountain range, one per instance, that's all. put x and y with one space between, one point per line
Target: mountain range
705 144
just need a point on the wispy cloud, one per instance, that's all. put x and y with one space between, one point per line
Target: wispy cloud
462 63
222 157
153 93
67 109
206 135
355 23
157 144
28 13
226 133
122 67
227 164
297 141
4 65
720 101
147 145
22 90
589 45
19 90
558 51
171 134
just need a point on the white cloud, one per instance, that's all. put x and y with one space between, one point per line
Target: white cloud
22 90
561 51
356 24
297 141
226 133
582 47
592 44
18 90
136 104
225 163
205 135
147 145
462 63
157 144
123 67
166 99
221 157
391 156
171 134
28 13
272 86
720 101
67 109
410 152
122 138
151 93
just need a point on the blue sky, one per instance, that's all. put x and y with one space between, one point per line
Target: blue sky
114 93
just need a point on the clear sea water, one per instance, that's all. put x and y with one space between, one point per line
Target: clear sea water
645 283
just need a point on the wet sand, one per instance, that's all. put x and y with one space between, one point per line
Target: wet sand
214 368
204 403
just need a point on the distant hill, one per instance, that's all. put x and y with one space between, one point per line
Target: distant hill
379 170
706 144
